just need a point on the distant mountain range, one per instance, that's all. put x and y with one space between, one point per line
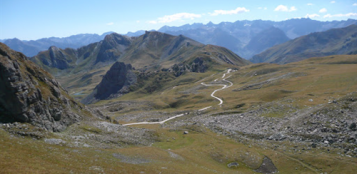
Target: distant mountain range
265 39
32 47
150 51
238 36
318 44
245 38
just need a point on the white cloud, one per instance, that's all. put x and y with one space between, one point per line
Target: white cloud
229 12
281 8
309 4
355 4
285 8
332 2
323 10
312 16
262 8
110 23
175 17
340 15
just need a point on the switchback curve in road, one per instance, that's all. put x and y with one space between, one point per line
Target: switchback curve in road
212 95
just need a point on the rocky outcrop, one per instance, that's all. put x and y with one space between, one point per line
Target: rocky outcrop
197 65
114 83
30 94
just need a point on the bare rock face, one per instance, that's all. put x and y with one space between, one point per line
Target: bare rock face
30 94
198 65
114 83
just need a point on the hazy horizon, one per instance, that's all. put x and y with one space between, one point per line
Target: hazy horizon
31 20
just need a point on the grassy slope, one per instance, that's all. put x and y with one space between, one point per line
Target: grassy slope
319 79
82 84
202 151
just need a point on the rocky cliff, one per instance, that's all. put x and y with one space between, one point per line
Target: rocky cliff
114 83
30 94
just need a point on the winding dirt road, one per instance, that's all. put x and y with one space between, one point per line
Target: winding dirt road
159 122
212 95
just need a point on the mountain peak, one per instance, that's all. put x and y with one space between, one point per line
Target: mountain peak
153 33
115 38
53 48
112 47
210 24
155 36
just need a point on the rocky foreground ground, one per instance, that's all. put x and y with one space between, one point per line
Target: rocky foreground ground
330 125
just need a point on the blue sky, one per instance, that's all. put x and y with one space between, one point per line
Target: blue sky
34 19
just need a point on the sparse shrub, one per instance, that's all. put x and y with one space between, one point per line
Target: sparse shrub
240 105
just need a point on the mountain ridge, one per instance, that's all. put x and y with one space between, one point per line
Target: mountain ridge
264 40
32 47
331 42
244 31
240 32
94 55
152 50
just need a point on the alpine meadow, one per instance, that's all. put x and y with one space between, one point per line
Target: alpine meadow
181 87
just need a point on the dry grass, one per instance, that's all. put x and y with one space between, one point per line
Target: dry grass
202 151
307 83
